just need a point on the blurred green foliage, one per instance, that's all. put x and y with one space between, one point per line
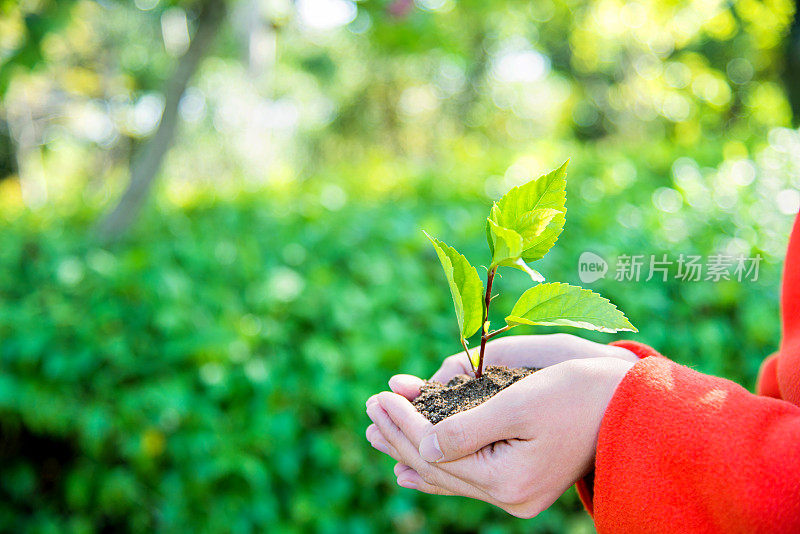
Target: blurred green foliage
210 373
213 372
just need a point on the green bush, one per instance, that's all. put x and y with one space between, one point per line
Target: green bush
211 374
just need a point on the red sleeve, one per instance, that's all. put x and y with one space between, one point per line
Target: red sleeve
585 486
679 451
639 349
767 383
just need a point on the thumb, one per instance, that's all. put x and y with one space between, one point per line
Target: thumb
406 385
469 431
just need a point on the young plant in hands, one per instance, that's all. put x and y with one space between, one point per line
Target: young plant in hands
522 227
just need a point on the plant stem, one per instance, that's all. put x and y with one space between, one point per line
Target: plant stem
499 331
466 350
484 330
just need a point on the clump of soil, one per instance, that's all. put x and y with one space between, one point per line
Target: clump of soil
437 401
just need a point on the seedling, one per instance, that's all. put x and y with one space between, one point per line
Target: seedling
522 227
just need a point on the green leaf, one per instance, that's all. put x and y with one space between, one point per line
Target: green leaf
540 244
474 357
494 213
535 210
507 244
558 304
465 287
547 191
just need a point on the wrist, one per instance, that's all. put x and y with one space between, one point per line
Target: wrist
610 373
620 353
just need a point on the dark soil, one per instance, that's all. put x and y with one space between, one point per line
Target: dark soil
437 401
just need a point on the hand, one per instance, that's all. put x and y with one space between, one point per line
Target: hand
515 351
520 450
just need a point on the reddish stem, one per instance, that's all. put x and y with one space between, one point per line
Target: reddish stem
484 330
499 331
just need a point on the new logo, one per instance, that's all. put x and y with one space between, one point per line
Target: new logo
591 267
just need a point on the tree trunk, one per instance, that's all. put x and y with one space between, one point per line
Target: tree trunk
147 161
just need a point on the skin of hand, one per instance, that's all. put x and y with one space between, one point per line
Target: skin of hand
521 449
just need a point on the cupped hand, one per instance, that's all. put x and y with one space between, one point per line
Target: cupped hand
520 450
515 351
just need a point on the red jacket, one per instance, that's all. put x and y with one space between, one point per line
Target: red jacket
680 451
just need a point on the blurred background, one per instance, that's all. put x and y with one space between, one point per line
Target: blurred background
210 230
